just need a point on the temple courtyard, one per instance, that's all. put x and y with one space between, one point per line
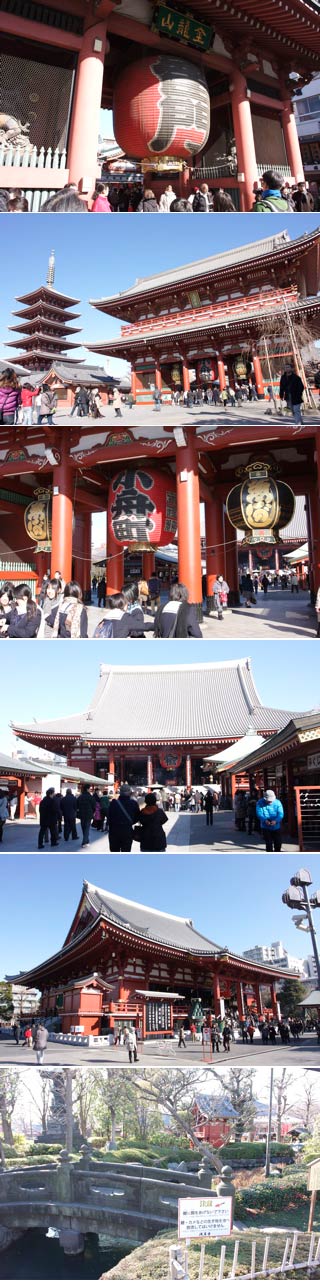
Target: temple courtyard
184 831
170 416
304 1052
277 614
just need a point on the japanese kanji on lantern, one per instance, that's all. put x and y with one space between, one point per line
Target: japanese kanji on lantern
161 108
260 506
142 508
38 521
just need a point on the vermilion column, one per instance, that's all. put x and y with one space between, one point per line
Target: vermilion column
185 376
62 495
86 573
84 128
314 509
188 513
215 546
216 995
232 570
150 770
274 1002
188 772
133 383
257 993
291 139
148 564
115 566
243 131
258 374
240 1000
158 377
221 372
111 764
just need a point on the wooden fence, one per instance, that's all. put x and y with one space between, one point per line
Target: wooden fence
300 1251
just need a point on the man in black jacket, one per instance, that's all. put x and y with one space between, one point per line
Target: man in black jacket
49 816
292 390
123 814
69 806
85 810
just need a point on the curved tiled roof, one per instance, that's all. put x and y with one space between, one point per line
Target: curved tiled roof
167 703
160 927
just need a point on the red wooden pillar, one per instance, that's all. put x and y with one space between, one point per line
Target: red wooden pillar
291 140
188 513
232 569
115 565
215 545
257 993
221 372
231 373
41 562
242 124
86 573
133 382
111 764
216 996
22 797
240 1001
149 771
274 1003
185 376
148 564
62 514
158 377
188 772
258 373
84 127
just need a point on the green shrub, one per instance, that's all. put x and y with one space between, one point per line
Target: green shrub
273 1195
47 1149
253 1151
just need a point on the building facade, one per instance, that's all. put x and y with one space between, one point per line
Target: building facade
126 963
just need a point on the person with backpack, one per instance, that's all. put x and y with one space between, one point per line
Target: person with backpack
291 390
177 619
148 204
271 200
124 812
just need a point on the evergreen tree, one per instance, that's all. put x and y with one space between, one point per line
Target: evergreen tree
290 996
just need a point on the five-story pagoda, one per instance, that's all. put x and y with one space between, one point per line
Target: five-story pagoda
45 329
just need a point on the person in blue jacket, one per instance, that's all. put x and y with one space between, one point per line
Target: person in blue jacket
270 812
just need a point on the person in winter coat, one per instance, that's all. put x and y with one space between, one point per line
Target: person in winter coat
47 405
69 620
137 623
123 814
292 390
177 618
101 204
123 623
208 804
27 396
270 199
10 397
49 818
148 205
117 402
81 402
85 811
40 1042
270 812
130 1037
4 812
7 603
25 620
201 200
152 817
166 199
69 805
220 596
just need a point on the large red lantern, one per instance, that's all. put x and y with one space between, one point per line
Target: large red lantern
161 107
142 508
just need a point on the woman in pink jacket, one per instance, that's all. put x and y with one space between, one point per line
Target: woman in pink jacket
101 204
10 397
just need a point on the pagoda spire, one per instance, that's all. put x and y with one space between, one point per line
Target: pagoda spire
51 269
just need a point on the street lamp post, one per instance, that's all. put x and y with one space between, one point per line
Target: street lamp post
297 897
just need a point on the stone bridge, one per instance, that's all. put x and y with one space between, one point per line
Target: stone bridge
130 1203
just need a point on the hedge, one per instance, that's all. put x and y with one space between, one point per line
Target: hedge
256 1150
272 1195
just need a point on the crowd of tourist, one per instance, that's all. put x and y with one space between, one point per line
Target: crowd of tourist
271 195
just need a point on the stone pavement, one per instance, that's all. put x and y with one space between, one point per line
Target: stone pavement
186 832
278 614
303 1053
208 417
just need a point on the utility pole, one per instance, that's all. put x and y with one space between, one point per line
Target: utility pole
68 1075
268 1145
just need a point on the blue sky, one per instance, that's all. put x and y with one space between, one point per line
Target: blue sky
46 681
95 260
236 901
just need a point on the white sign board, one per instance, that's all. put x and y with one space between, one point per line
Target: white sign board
204 1217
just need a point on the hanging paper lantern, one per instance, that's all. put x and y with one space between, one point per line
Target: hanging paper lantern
142 508
161 108
260 506
37 520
